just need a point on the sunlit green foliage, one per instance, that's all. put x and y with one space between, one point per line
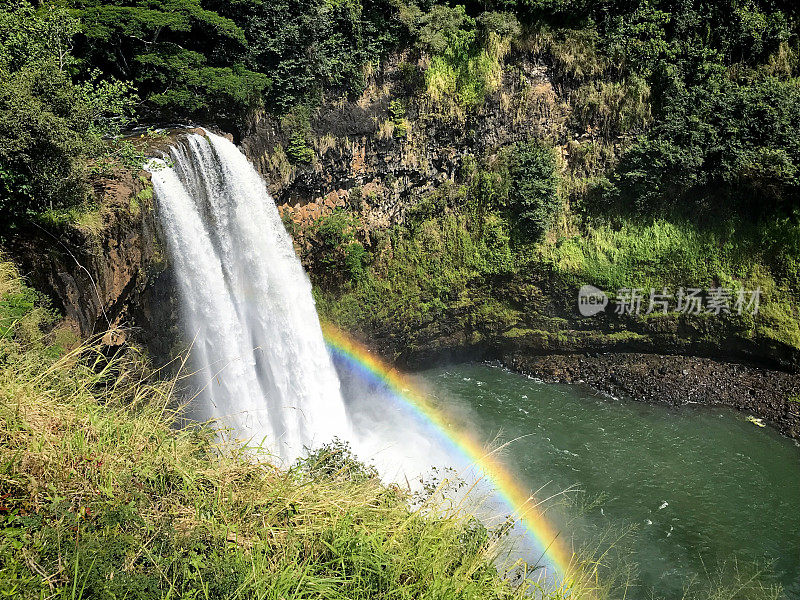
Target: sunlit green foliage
533 198
465 52
340 255
51 123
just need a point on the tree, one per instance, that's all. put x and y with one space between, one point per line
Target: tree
49 124
186 61
308 45
719 147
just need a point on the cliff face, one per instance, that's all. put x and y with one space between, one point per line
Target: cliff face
379 153
107 272
96 273
376 155
108 277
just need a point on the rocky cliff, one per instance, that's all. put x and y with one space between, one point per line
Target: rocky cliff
381 152
378 155
375 156
100 273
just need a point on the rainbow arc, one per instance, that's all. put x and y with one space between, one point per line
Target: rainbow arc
526 508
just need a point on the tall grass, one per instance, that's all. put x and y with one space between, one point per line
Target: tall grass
103 495
442 273
678 253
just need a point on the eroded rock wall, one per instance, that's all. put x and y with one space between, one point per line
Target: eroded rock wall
379 164
102 276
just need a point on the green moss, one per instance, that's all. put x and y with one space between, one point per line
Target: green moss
87 216
143 197
625 336
145 194
439 269
516 333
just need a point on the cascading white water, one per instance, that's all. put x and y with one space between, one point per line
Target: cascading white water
257 344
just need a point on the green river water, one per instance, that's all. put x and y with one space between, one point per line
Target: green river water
699 493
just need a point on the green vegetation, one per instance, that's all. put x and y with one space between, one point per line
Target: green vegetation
182 57
103 497
682 170
691 108
50 124
422 274
398 119
743 155
533 196
340 255
679 165
465 53
470 262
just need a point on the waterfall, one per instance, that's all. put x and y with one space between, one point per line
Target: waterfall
260 362
257 348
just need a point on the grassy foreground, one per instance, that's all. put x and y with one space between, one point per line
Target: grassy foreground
101 496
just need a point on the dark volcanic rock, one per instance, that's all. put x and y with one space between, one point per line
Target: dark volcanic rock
677 380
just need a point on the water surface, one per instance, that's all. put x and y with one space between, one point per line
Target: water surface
703 489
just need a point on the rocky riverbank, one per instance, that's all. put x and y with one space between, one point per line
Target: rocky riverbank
769 394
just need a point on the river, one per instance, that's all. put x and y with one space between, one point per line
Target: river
696 493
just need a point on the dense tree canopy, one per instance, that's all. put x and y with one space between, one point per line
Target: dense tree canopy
185 60
705 92
50 121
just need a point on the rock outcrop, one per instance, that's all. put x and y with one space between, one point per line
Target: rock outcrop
98 275
369 158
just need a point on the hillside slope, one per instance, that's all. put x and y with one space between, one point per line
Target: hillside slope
103 497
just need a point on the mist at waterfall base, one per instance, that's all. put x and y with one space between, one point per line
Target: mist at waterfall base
260 363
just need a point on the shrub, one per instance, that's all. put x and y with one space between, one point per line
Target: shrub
298 149
466 54
342 257
533 198
398 115
719 146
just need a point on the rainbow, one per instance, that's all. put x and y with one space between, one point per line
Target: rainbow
519 499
